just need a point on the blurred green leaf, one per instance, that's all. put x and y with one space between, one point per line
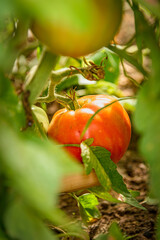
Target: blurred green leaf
10 107
39 78
14 41
2 236
7 7
21 223
35 168
147 122
41 117
111 64
152 6
130 58
147 117
129 104
68 82
98 158
134 193
102 193
88 207
103 87
89 141
113 234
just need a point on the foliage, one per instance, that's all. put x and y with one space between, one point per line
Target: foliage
114 233
87 205
32 167
98 158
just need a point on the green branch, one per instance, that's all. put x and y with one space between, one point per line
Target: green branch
41 75
90 72
129 77
56 78
152 7
124 55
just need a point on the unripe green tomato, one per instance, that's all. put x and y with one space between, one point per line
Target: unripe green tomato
69 36
41 116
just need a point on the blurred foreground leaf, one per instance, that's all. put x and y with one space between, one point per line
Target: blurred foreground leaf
21 223
35 167
32 167
147 114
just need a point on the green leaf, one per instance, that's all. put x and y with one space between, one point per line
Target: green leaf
103 87
32 167
89 141
153 7
2 235
91 162
148 124
10 107
41 117
147 117
102 193
35 167
88 210
134 193
68 82
98 158
39 79
130 104
21 223
111 65
114 233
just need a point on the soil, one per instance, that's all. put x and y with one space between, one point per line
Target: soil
134 223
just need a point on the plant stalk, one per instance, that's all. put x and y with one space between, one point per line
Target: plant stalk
41 75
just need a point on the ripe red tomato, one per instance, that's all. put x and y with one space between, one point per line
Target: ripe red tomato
80 28
110 128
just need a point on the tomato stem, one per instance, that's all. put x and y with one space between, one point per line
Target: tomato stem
129 58
68 100
90 72
40 77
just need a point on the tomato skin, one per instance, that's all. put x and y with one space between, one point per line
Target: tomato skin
71 36
110 128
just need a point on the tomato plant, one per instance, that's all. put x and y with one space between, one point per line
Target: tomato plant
32 166
80 35
110 128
